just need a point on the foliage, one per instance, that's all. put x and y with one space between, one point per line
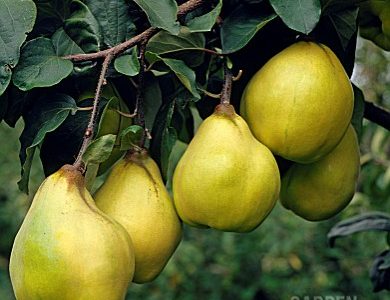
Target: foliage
50 93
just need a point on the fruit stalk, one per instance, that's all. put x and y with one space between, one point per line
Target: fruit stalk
227 85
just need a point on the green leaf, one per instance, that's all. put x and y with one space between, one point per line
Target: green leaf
46 115
185 74
179 46
51 16
358 111
345 24
63 44
380 272
205 22
300 15
164 137
161 14
241 26
17 18
39 65
131 136
83 28
376 221
152 99
99 150
113 17
128 64
177 152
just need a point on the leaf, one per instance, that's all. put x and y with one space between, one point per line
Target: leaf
83 28
17 18
131 136
63 44
39 65
380 272
177 152
161 14
185 74
358 111
99 150
46 115
152 99
113 17
128 64
300 15
205 22
345 24
364 222
179 46
164 137
241 26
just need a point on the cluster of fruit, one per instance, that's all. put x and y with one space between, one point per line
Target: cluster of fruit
298 106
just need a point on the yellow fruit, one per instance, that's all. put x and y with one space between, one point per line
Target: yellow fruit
134 195
226 179
320 190
299 104
67 249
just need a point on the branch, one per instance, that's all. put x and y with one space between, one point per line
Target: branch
144 36
377 114
89 132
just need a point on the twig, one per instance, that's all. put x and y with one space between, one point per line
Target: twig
144 36
227 85
88 135
377 114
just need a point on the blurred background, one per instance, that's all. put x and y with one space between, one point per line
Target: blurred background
285 257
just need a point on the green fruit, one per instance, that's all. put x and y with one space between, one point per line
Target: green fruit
374 21
226 179
134 195
320 190
68 249
299 104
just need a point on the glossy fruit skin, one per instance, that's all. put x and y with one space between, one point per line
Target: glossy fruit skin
299 104
226 179
134 194
67 249
322 189
374 21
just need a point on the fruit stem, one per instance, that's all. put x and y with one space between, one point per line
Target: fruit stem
89 132
140 105
227 85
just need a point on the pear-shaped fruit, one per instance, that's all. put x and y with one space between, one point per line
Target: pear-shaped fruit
68 249
226 179
299 104
320 190
134 195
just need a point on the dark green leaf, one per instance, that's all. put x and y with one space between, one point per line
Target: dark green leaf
152 99
345 24
99 150
131 136
164 137
300 15
177 152
17 18
83 28
63 44
51 15
241 26
179 46
358 111
113 17
46 115
128 64
39 65
380 272
205 22
364 222
161 14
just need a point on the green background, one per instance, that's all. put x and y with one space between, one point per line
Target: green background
285 257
